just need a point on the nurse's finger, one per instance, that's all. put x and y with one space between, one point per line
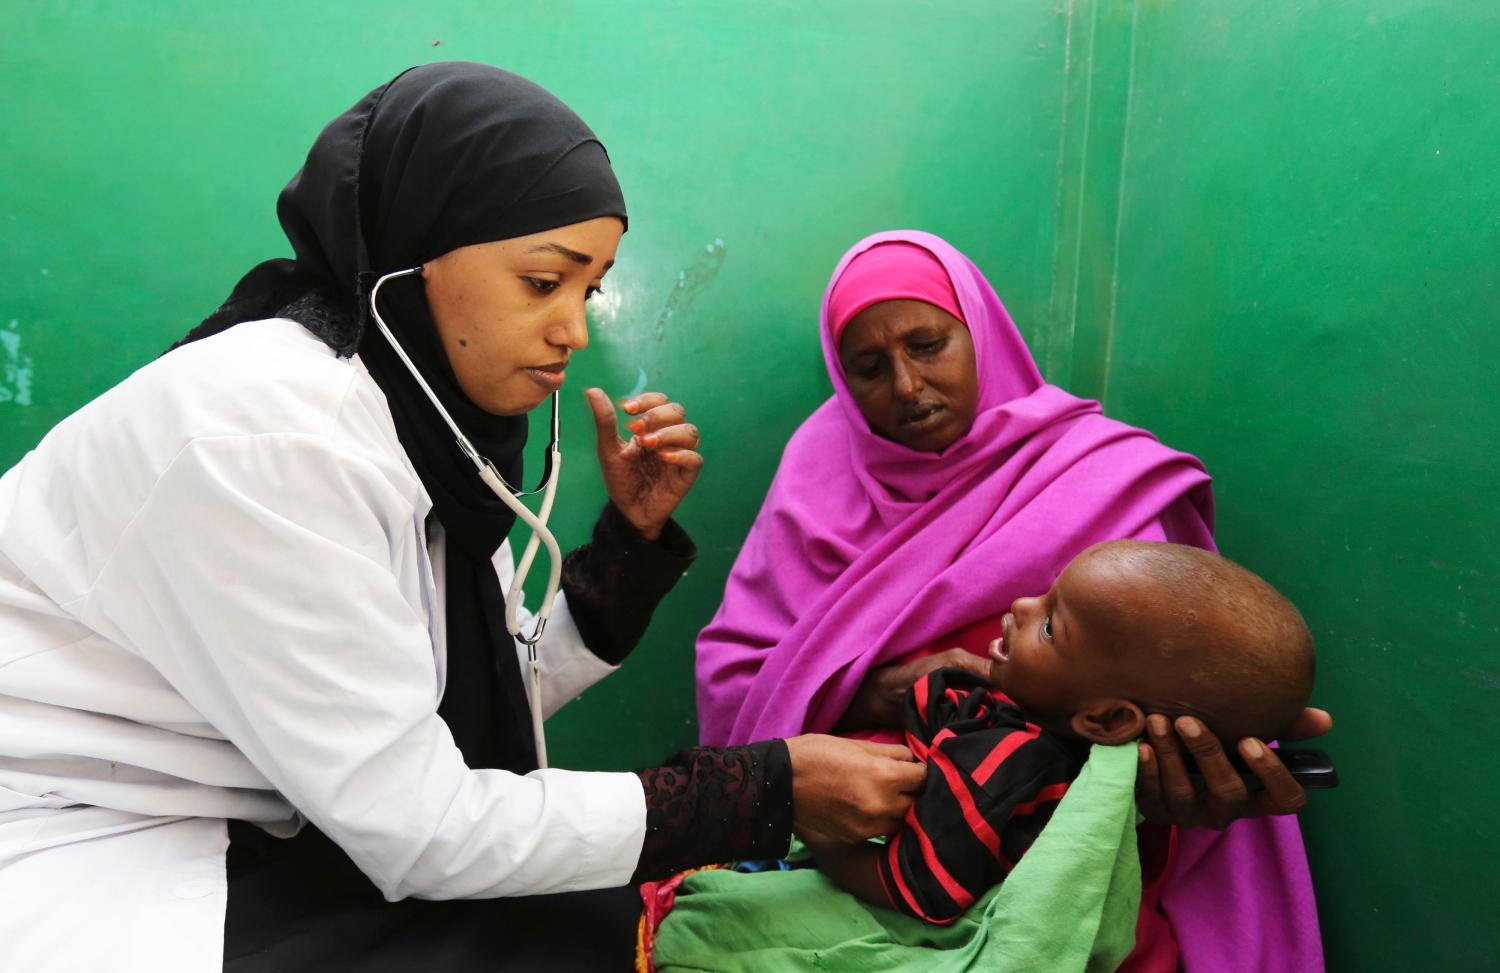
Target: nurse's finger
910 777
636 404
606 427
684 435
1224 783
1178 792
894 751
903 778
660 417
687 460
1282 794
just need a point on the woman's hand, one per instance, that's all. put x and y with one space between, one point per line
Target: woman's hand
648 476
850 790
881 697
1166 794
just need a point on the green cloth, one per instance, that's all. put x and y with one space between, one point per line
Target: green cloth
1070 904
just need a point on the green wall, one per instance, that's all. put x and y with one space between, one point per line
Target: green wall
1268 231
1292 250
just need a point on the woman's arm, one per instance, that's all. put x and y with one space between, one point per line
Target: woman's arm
610 589
614 583
880 701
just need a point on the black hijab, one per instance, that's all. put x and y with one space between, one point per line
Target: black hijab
443 156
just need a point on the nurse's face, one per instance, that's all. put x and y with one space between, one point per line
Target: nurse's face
910 367
511 313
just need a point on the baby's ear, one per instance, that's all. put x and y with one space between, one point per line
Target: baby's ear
1109 721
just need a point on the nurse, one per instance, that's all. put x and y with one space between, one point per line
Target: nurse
258 701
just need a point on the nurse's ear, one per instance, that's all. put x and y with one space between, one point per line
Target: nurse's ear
1108 720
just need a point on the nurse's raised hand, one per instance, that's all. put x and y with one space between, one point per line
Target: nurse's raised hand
647 475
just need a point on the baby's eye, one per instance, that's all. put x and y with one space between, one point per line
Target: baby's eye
541 286
1047 628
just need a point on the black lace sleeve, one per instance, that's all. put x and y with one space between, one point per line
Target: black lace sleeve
614 582
711 805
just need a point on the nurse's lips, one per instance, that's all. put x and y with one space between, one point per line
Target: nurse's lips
549 377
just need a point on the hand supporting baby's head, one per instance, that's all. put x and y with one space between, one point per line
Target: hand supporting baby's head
1132 628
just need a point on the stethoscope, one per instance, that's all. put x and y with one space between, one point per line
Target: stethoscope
509 496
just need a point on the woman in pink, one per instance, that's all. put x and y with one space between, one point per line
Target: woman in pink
942 481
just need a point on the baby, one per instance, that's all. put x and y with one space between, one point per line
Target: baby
1129 628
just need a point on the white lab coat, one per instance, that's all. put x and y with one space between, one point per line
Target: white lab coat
218 600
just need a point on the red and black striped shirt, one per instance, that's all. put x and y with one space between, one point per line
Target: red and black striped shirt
993 780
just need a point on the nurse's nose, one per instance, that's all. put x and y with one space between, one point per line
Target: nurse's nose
571 330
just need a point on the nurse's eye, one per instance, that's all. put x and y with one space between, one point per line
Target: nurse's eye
868 369
1047 628
541 286
592 291
928 347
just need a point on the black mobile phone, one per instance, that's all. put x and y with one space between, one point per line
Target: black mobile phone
1310 767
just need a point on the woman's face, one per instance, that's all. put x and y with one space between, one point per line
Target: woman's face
511 313
910 367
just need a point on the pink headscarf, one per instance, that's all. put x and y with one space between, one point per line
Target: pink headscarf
865 550
889 272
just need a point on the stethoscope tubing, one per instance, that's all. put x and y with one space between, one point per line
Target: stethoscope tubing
540 535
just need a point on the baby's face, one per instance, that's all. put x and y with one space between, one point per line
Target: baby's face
1113 631
1056 651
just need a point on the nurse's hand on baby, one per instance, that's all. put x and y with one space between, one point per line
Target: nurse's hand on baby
880 702
1166 794
849 790
647 475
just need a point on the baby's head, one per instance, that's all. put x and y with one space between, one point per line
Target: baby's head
1131 628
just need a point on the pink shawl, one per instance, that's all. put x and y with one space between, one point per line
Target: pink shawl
865 550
